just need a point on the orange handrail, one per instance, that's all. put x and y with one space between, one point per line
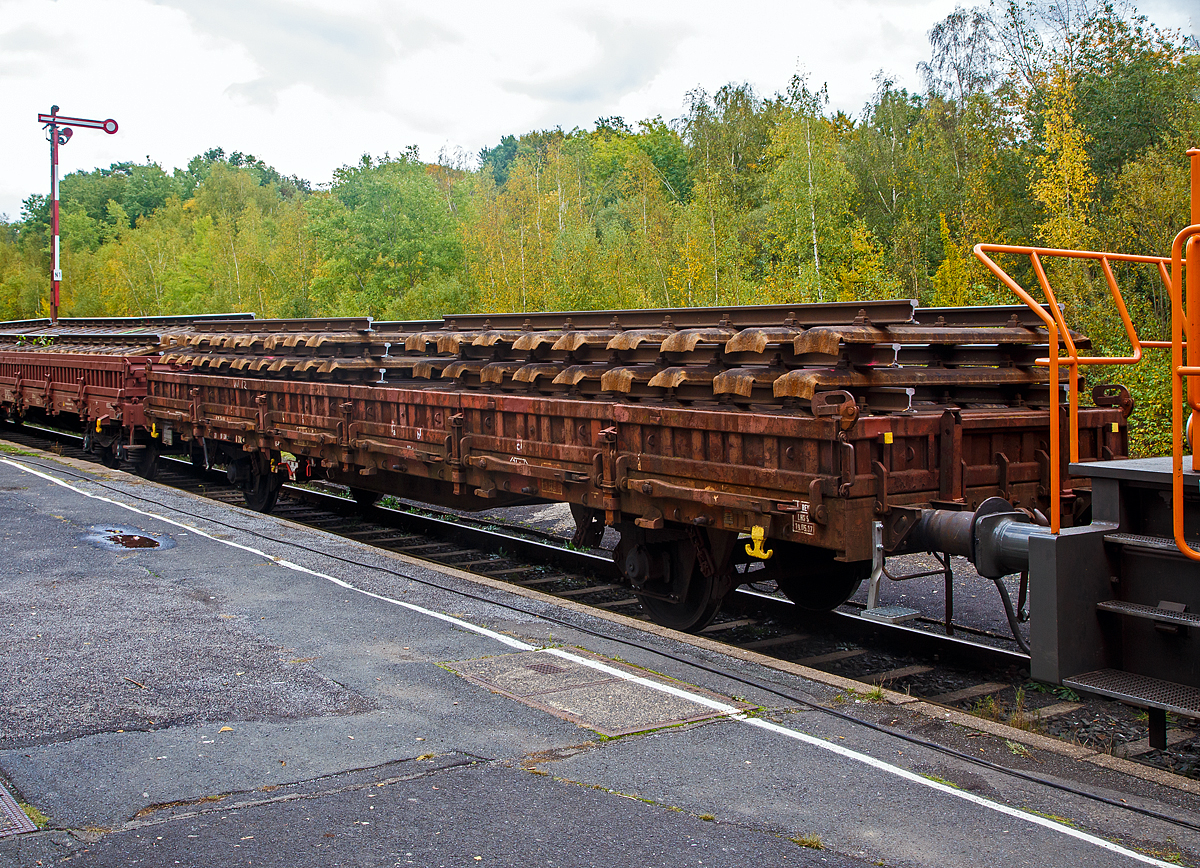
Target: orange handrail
1185 248
1182 279
1057 330
1189 238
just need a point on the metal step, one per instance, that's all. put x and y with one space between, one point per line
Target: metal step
1150 613
1139 690
1150 543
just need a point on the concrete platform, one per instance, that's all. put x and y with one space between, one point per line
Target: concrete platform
248 691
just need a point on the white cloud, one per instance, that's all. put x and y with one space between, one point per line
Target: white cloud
625 57
336 52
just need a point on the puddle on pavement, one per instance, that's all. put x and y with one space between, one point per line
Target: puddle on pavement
124 538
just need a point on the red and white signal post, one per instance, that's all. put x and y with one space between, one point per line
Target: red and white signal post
59 134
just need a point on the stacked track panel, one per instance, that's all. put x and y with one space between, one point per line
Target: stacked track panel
889 355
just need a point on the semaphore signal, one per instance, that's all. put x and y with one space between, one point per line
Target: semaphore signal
59 134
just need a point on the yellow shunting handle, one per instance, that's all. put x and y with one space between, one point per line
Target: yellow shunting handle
97 426
153 430
758 534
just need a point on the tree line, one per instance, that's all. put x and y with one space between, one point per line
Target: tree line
1061 123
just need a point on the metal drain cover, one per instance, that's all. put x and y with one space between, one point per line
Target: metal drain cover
890 614
597 700
12 819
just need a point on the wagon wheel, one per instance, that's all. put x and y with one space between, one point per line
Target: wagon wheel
364 497
260 492
697 604
260 489
690 614
147 464
110 455
812 579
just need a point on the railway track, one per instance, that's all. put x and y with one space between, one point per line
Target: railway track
984 674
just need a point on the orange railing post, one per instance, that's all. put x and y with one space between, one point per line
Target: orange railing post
1192 271
1185 281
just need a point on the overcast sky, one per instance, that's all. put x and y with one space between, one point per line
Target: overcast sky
309 85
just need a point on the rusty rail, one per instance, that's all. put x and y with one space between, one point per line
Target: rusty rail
890 355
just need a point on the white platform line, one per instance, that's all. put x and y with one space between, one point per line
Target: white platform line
720 707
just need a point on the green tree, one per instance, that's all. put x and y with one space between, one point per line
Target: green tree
1062 180
809 190
1132 81
382 233
24 280
875 151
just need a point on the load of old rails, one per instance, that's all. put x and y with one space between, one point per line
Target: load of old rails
114 336
891 356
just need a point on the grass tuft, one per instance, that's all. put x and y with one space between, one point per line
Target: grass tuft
937 779
35 816
1055 817
1165 854
1018 717
1018 749
812 841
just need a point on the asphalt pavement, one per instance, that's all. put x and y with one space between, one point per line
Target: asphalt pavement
186 683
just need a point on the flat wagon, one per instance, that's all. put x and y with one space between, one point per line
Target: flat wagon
782 436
